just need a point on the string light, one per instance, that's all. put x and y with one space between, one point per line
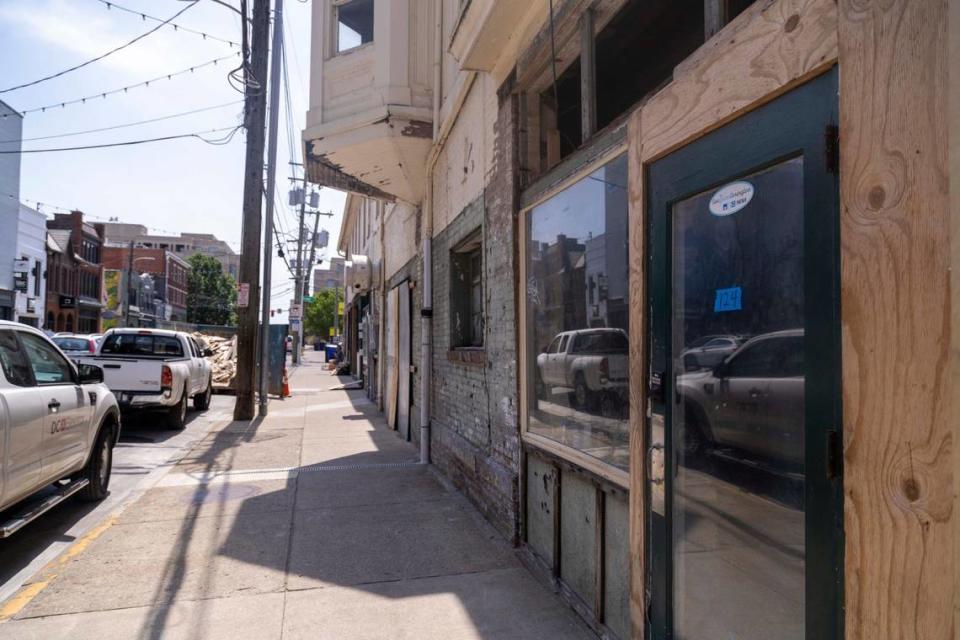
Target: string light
145 83
176 27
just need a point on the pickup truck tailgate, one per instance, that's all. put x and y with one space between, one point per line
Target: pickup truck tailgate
619 366
129 374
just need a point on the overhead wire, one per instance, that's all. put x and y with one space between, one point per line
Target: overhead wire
198 135
103 55
125 125
176 27
144 83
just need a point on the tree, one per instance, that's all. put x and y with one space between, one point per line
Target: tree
211 293
318 316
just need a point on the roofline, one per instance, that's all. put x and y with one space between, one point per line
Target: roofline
346 220
15 112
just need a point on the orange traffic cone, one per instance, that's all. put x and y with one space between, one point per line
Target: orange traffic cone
286 385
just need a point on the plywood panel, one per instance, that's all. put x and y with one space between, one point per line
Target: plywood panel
895 307
392 342
403 358
767 50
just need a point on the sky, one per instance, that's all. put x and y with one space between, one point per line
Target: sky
172 186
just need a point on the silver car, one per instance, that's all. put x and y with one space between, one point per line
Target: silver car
76 345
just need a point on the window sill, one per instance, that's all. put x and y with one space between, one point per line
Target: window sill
468 355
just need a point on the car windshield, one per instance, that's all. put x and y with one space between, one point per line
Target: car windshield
72 344
141 345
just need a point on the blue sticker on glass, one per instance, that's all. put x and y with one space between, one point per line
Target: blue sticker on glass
728 300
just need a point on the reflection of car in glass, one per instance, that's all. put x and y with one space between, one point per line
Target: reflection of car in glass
77 345
752 401
589 361
709 351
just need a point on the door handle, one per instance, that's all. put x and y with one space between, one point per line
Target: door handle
53 405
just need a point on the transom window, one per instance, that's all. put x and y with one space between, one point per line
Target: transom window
354 24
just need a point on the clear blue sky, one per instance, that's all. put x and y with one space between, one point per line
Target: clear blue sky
174 186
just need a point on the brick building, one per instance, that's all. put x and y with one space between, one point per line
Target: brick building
74 274
169 278
660 286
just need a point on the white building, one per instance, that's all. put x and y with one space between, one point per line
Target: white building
29 266
11 128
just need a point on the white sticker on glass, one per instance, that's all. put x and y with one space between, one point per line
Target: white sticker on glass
730 198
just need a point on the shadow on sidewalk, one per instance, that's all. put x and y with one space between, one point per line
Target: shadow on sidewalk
374 521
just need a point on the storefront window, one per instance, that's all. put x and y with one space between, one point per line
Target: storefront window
576 316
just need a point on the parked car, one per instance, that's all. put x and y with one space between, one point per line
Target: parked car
58 426
709 351
77 345
753 401
590 362
155 370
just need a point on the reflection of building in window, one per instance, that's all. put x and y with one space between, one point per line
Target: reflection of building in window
354 24
466 293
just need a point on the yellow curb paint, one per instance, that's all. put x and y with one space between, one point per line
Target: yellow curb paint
15 604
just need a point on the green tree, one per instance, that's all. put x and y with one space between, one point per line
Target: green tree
318 316
211 293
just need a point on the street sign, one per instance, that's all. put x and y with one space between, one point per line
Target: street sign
340 309
332 332
296 312
21 266
307 299
294 326
243 295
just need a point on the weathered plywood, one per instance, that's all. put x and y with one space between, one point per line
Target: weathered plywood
638 375
767 50
954 136
895 309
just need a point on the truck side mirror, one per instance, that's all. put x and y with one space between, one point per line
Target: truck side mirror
90 374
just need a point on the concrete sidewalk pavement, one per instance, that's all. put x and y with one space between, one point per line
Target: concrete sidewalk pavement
316 522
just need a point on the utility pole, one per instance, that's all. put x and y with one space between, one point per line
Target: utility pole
313 253
298 282
249 276
129 287
275 59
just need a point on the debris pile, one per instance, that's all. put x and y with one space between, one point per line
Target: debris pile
223 361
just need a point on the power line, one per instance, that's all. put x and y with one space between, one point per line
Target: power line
198 135
128 124
103 55
176 27
145 83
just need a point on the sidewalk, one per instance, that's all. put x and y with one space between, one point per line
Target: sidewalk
317 522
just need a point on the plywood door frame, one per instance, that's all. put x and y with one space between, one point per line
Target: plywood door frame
769 49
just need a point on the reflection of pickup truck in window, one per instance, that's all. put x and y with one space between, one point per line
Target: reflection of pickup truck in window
153 369
591 362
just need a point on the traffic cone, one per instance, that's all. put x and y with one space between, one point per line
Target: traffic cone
286 385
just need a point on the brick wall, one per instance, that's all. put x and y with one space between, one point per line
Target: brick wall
474 416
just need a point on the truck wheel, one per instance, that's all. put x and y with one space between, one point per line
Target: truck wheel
201 402
581 393
98 468
177 414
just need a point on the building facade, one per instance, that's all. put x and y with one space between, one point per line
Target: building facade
330 277
660 286
76 248
183 246
29 267
11 127
156 290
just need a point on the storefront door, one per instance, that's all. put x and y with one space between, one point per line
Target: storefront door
744 483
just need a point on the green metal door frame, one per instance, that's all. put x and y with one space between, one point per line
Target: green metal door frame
801 123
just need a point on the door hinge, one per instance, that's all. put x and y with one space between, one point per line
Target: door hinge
831 148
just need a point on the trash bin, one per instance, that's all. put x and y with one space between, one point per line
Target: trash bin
331 351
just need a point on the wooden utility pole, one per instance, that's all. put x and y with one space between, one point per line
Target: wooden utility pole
313 254
129 287
249 277
276 56
298 282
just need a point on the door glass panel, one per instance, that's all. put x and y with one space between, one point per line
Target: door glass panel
737 424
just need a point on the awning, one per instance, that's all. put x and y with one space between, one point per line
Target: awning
326 174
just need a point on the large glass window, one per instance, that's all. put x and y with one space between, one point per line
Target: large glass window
577 312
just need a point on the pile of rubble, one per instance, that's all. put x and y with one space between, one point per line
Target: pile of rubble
223 361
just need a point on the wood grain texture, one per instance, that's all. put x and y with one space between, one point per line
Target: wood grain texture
954 124
895 306
768 49
638 375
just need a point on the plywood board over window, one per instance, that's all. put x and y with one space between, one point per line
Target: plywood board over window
900 570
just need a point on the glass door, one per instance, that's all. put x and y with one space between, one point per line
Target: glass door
744 479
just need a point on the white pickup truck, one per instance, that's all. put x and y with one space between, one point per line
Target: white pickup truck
593 363
58 426
155 370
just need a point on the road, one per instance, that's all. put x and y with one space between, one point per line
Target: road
145 451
